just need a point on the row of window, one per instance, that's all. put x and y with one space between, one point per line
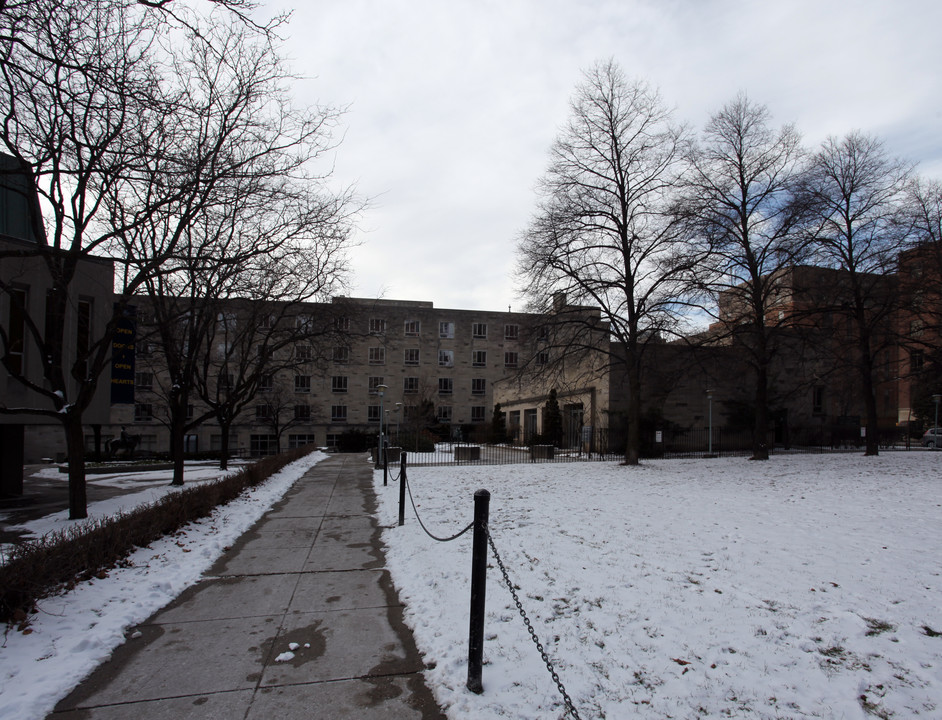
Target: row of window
338 384
446 358
15 340
144 412
446 328
410 385
444 413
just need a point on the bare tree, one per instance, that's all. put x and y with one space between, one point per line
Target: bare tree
94 105
856 193
739 207
602 234
921 296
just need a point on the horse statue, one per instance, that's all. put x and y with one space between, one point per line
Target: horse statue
126 445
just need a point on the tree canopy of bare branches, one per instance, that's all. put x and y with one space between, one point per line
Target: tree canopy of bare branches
165 138
602 233
856 195
739 209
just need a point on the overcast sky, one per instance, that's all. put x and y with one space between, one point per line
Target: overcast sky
453 104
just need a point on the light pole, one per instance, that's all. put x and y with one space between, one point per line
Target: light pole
381 389
398 410
709 394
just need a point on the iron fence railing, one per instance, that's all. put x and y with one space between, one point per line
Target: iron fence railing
604 444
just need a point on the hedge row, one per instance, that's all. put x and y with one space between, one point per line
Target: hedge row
57 561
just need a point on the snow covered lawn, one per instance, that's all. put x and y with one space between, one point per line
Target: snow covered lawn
74 632
804 587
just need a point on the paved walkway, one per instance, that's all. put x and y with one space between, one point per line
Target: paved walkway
310 576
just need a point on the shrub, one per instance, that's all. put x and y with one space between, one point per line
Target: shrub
38 568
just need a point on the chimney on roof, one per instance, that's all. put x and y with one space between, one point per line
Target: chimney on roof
559 301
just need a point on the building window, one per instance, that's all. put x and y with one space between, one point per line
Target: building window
510 359
143 349
917 360
300 440
302 383
302 412
342 323
189 412
372 413
263 412
542 357
266 321
478 413
304 323
377 356
511 332
529 424
446 329
83 333
266 383
262 445
303 353
479 330
444 414
412 328
341 354
411 356
377 326
446 358
445 386
226 381
478 386
143 412
410 385
144 381
16 332
338 413
374 383
333 441
479 358
338 384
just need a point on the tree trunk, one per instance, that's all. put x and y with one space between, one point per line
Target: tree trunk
869 398
75 447
633 446
177 433
224 447
760 437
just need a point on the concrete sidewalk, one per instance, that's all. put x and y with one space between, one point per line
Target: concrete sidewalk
309 576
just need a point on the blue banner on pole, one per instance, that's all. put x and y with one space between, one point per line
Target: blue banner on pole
122 358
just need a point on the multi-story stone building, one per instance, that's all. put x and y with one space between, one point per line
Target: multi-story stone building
386 359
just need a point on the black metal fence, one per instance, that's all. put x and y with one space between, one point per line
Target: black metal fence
604 444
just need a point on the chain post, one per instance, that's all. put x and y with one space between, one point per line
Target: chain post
402 491
482 499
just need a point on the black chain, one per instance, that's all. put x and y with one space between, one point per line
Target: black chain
570 707
417 517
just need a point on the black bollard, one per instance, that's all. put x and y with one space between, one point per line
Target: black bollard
385 465
402 490
482 499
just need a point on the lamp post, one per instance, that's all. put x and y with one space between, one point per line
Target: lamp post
709 394
935 399
381 390
398 419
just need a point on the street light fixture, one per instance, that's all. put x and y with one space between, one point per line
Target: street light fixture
709 394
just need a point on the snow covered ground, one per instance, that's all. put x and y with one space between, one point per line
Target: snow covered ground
73 633
137 488
804 587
